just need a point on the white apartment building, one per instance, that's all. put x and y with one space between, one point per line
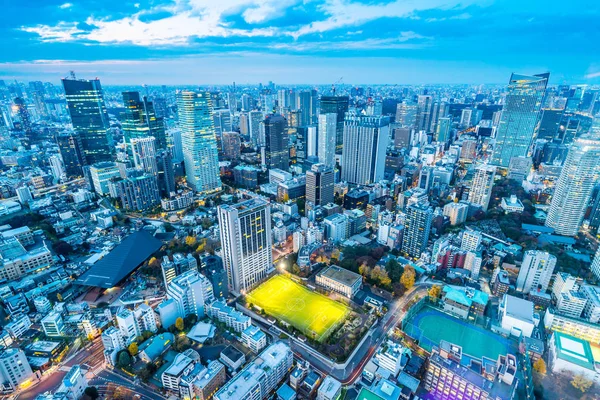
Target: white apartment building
191 291
179 367
470 240
592 307
457 212
536 270
481 187
392 356
234 319
330 389
254 338
14 369
53 324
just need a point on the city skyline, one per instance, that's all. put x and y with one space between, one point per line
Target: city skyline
437 41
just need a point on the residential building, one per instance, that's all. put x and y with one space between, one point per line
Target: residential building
470 240
245 230
336 227
202 382
592 307
327 139
261 376
14 369
191 291
136 193
516 316
53 324
101 174
481 187
232 318
535 272
180 366
392 356
330 389
457 212
417 227
254 338
144 154
113 342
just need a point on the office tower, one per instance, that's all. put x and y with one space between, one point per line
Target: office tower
85 101
199 143
245 230
141 121
536 270
260 377
71 151
37 92
326 138
222 121
136 193
244 123
574 187
406 115
255 119
101 174
191 291
402 136
424 111
417 226
319 185
276 142
312 141
304 105
14 368
481 186
166 173
232 145
247 102
24 117
336 105
365 143
519 117
443 130
466 117
549 124
144 154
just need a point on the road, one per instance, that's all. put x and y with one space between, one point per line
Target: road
355 366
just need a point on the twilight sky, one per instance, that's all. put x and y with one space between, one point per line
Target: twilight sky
291 41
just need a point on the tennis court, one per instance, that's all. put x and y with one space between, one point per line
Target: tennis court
430 326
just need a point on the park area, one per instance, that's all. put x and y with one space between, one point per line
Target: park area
429 326
311 313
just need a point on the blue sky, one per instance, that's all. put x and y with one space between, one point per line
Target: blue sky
291 41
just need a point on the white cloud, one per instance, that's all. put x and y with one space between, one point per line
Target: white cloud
65 6
199 19
592 75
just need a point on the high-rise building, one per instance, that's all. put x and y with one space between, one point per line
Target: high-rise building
574 187
166 173
326 138
519 117
191 291
222 120
85 101
136 193
319 185
24 117
141 121
406 115
305 105
199 142
144 154
14 368
71 151
595 267
179 265
424 113
336 105
276 143
232 145
246 241
536 270
481 187
417 227
254 121
101 174
365 143
444 127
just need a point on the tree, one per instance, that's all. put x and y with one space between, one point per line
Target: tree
364 270
581 383
540 366
92 392
124 359
434 293
408 277
133 348
394 270
59 297
62 248
179 324
190 240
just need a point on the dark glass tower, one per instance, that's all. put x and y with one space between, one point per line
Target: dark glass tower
141 120
336 105
85 101
72 154
276 143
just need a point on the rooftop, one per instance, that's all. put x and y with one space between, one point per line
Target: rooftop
518 308
330 387
232 353
121 261
465 295
341 275
156 345
180 363
574 350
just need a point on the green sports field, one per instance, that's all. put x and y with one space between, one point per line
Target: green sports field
311 313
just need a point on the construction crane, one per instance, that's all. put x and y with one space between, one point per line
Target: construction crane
336 83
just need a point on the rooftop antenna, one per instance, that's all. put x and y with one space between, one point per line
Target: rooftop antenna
72 75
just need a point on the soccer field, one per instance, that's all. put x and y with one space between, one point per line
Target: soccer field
311 313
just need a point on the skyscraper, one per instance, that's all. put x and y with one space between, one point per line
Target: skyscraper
406 115
191 291
24 116
417 226
319 184
424 113
166 173
574 188
519 117
144 154
365 143
443 129
85 101
276 143
141 121
199 143
481 186
336 105
326 138
254 120
245 230
71 151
